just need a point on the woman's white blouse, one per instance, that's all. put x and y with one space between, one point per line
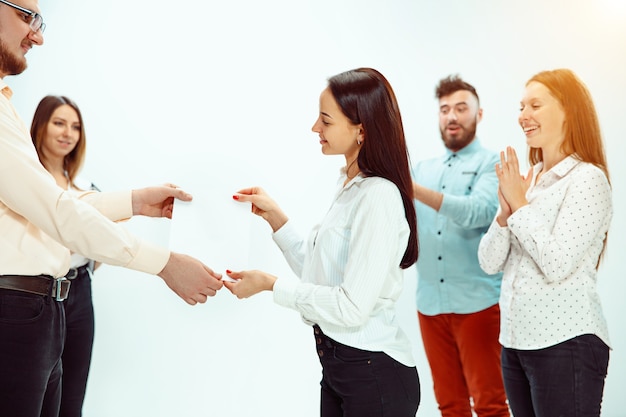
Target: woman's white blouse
349 270
549 253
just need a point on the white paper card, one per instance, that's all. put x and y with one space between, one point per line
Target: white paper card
213 227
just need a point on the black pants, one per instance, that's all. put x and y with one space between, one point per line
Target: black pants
360 383
564 380
32 331
79 336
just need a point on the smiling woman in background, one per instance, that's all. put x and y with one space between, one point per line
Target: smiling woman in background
548 237
58 134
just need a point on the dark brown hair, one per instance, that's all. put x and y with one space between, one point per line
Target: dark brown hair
366 97
74 160
452 84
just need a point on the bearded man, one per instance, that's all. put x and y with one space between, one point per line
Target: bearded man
40 223
457 303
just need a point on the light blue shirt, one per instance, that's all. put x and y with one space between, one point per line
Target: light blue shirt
450 279
349 268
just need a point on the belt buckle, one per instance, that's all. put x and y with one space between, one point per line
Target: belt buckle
72 273
61 288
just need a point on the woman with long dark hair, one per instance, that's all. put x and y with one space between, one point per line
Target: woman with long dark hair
351 267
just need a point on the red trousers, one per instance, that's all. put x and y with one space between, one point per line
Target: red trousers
464 356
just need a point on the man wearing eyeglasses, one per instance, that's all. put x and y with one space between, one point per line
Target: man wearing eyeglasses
39 221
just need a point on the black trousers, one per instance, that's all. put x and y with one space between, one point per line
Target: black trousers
360 383
76 358
32 332
563 380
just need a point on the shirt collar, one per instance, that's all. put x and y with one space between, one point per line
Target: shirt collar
4 88
566 165
342 177
473 147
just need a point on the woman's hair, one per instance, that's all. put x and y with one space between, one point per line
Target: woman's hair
583 139
39 127
366 97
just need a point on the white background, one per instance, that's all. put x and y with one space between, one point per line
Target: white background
221 90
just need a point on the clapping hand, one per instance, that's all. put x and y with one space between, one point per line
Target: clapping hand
513 185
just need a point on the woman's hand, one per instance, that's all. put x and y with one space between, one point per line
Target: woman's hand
505 210
262 205
513 185
249 283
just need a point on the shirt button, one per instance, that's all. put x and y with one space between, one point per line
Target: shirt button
319 341
439 257
320 352
439 232
441 280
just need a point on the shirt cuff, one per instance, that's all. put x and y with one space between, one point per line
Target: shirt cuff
286 237
150 258
523 222
284 292
455 207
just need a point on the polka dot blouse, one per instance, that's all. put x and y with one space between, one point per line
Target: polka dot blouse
549 252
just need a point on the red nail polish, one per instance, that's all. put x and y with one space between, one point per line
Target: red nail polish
235 197
228 271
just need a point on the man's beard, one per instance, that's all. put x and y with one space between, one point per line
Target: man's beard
9 63
459 142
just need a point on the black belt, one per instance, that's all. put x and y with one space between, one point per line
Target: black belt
57 288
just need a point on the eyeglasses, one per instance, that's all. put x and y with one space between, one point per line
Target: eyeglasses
34 19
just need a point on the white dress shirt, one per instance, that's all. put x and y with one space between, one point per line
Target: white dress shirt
549 253
350 278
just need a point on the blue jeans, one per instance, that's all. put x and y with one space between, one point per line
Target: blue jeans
564 380
360 383
32 331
